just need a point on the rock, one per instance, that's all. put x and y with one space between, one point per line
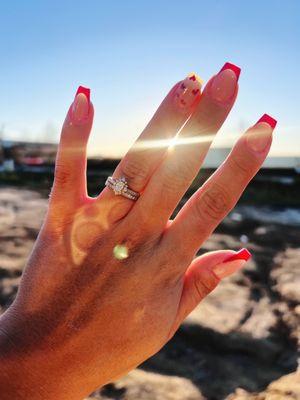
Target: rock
224 308
239 344
141 385
287 275
285 388
260 320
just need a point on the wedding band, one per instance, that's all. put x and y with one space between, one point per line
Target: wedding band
120 188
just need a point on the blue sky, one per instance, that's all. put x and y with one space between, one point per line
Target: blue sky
131 52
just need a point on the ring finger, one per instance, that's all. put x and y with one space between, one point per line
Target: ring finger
148 151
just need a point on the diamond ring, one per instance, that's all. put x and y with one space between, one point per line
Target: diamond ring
120 187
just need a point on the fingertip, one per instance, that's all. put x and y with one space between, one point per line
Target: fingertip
223 87
84 90
242 254
266 118
79 111
259 137
232 67
188 93
226 269
223 263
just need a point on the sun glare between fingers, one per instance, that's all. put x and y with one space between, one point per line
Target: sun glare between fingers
171 143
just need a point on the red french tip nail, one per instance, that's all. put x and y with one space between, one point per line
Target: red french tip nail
233 67
268 119
85 91
242 254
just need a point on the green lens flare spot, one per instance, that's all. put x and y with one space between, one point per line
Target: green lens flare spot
120 252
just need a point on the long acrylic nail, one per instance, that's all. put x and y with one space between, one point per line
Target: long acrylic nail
223 86
232 264
188 93
259 138
242 254
81 105
268 120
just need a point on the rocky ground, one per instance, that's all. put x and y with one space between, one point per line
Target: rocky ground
240 344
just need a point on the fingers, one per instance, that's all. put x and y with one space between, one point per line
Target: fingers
212 202
182 163
148 151
70 168
203 275
142 158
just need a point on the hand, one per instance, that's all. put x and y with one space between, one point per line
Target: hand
110 280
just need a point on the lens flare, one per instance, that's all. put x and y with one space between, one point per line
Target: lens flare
171 143
120 252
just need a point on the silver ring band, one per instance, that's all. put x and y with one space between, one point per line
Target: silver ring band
120 188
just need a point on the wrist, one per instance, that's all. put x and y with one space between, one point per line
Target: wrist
23 373
32 369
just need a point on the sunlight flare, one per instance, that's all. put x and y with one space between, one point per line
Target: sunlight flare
172 142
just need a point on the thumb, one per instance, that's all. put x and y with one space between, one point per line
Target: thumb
70 170
203 275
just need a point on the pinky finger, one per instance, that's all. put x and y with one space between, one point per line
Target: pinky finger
202 277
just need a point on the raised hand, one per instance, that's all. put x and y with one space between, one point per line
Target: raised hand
110 279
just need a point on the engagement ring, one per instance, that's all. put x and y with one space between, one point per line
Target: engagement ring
120 188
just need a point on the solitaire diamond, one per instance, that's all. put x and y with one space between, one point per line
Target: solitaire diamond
120 186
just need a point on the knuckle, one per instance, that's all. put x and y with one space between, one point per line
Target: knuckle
214 203
136 172
171 266
240 165
201 289
141 237
205 284
177 176
145 224
62 175
171 185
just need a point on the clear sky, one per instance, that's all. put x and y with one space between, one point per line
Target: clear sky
131 52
